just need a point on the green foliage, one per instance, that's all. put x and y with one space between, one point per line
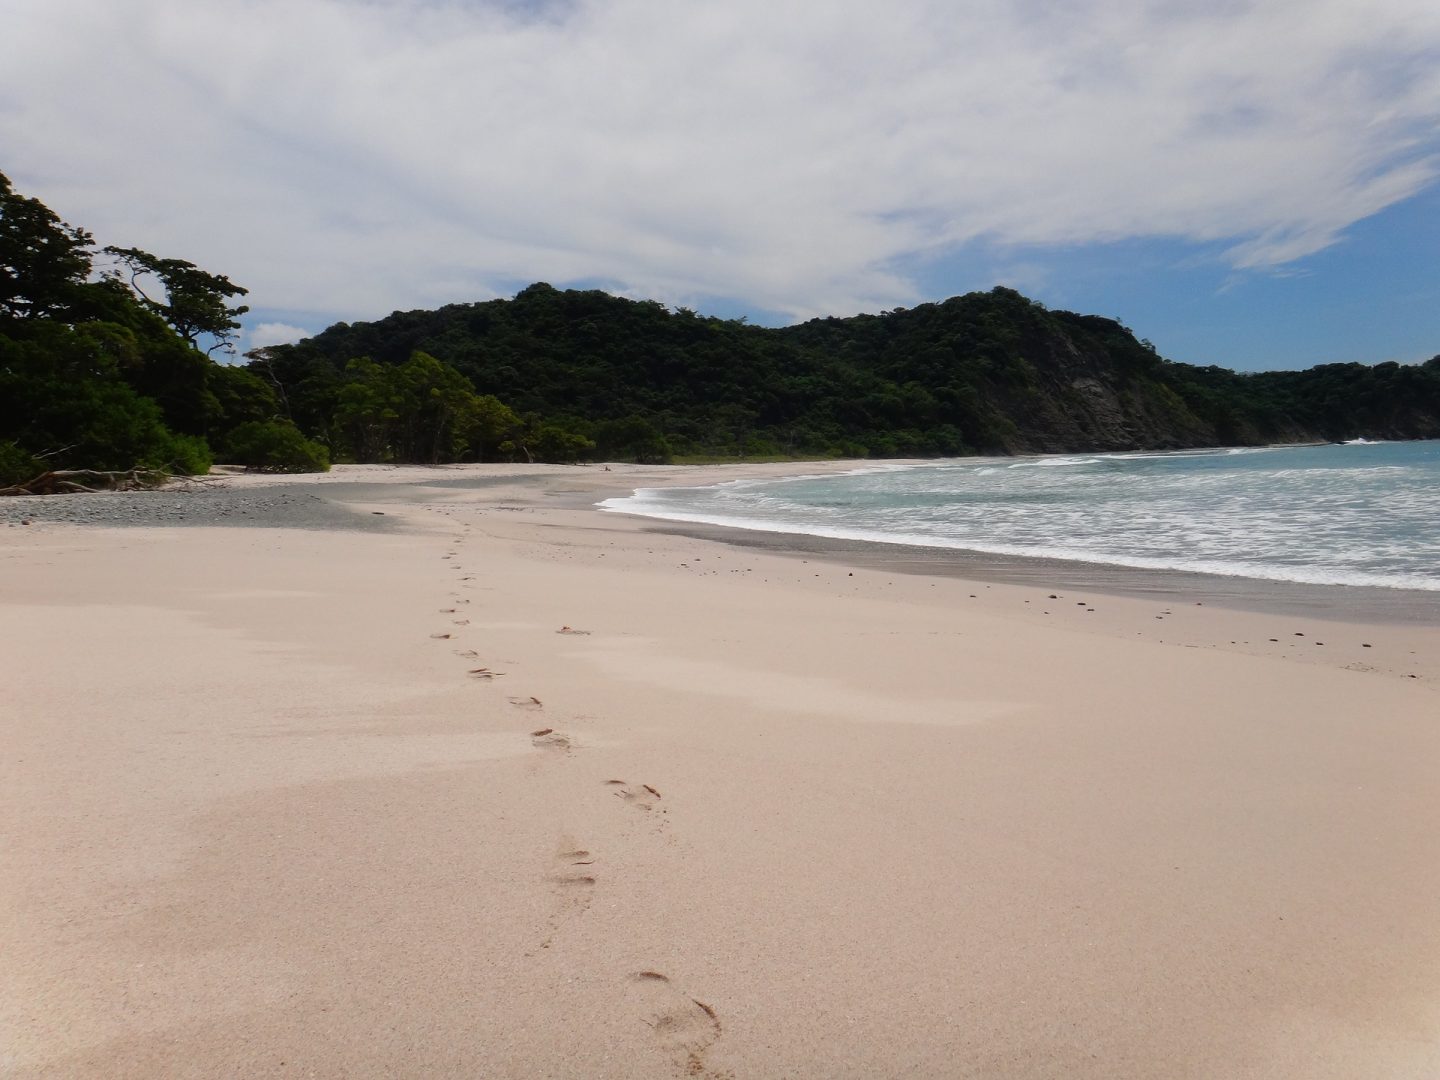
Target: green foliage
306 387
987 372
17 466
196 301
107 374
241 396
420 411
43 261
187 455
60 397
493 425
90 376
555 443
634 439
275 446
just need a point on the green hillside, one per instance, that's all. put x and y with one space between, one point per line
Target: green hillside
106 363
982 373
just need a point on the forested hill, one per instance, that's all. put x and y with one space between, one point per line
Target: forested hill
106 369
986 372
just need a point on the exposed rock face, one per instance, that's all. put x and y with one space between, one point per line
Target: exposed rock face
1086 402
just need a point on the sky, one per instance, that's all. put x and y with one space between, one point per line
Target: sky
1251 184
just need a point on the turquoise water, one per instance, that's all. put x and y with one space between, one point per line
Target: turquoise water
1353 514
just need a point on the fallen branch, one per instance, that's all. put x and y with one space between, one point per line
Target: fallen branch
74 481
191 482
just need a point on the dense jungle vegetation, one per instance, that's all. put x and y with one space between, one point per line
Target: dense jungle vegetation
106 362
101 366
983 373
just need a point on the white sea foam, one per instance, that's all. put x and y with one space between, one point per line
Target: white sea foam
1300 514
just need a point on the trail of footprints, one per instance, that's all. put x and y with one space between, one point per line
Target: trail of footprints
684 1027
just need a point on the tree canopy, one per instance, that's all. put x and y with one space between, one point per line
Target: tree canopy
195 301
105 369
94 374
43 262
990 372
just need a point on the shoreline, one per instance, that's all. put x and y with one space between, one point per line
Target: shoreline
1340 603
314 501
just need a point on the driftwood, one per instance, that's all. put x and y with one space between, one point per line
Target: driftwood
71 481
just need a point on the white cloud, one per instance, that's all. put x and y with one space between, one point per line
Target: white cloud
351 157
274 333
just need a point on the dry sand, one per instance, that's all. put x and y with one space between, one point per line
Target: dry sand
790 818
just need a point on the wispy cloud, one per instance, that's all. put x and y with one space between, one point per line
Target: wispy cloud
349 157
274 333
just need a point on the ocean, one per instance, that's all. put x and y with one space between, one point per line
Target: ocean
1358 513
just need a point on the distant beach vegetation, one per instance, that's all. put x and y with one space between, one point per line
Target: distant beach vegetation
107 363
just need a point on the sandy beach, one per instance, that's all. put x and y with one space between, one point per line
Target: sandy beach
494 784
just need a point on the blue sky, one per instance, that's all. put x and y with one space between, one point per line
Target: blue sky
1373 295
1250 183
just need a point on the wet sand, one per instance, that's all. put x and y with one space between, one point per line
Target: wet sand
1347 603
512 787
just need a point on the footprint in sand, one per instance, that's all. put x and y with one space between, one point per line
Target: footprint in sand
530 702
550 739
640 795
685 1027
573 880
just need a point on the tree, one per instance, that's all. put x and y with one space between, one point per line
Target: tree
421 411
275 446
94 374
492 425
436 402
17 465
43 262
633 438
242 396
557 444
366 412
61 399
196 302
